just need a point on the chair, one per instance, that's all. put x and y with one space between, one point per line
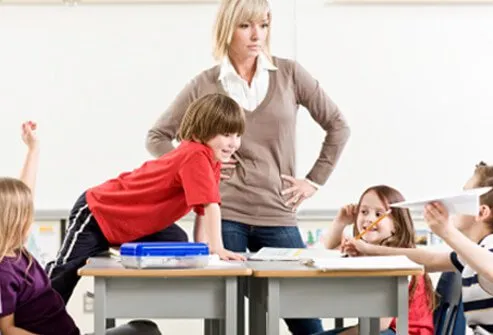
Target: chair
449 316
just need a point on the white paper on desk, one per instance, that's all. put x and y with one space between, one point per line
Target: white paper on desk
464 202
364 263
293 254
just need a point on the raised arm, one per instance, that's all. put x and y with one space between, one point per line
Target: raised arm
477 257
469 252
345 216
30 167
160 136
325 112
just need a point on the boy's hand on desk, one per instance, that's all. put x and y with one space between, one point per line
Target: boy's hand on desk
437 218
227 255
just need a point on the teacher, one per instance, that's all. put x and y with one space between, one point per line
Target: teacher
259 188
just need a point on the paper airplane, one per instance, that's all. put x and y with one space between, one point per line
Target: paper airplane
465 202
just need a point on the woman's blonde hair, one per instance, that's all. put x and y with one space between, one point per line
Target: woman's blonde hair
232 13
16 216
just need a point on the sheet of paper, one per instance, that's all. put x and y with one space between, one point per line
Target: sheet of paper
364 263
464 202
292 254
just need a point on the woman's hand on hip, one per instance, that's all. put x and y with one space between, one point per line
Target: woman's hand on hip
227 167
299 190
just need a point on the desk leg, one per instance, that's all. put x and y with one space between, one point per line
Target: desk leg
242 287
272 306
99 306
256 309
369 326
402 305
209 327
231 307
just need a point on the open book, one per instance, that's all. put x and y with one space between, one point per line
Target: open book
363 263
293 254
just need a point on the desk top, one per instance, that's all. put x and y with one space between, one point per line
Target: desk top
295 269
110 267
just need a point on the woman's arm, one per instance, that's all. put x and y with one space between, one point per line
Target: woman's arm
160 137
324 111
7 326
30 167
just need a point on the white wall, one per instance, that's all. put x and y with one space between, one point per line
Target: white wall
413 81
415 85
96 77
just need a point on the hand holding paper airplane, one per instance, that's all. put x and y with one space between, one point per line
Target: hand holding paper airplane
437 217
464 202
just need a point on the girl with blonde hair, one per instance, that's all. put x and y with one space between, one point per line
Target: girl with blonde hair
28 303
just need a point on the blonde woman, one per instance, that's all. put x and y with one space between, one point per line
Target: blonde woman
259 190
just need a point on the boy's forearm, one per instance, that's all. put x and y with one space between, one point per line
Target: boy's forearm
30 168
212 223
478 258
199 233
432 260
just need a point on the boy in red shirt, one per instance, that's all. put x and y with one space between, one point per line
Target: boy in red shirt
155 195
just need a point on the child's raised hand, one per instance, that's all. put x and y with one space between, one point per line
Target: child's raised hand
29 134
347 215
437 217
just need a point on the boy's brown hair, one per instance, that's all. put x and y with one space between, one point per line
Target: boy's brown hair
209 116
483 175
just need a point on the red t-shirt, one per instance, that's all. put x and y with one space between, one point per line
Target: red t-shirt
157 194
420 317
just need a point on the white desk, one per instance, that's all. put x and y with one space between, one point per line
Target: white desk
210 293
292 290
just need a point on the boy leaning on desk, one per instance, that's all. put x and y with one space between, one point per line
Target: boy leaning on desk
471 238
157 194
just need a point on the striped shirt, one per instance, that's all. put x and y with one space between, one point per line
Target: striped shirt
477 298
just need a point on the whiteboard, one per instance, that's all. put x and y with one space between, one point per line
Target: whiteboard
95 78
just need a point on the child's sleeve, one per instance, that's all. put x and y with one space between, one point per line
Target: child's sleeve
8 294
199 182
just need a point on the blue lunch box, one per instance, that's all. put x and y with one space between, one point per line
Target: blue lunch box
164 255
